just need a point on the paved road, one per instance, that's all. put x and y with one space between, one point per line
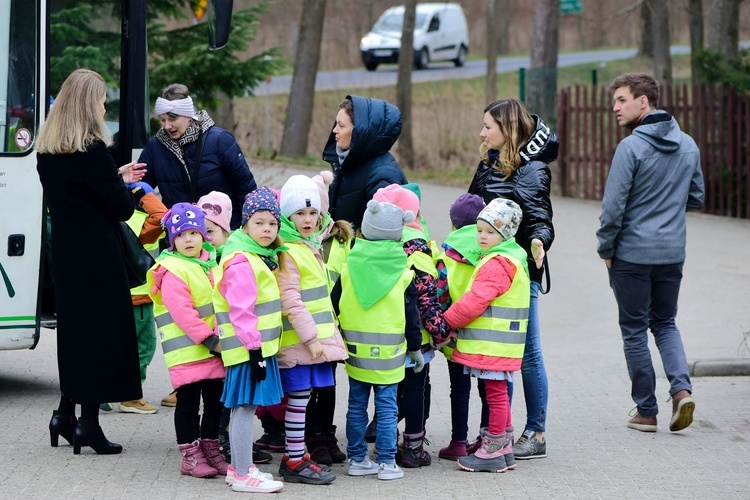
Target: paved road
387 75
591 452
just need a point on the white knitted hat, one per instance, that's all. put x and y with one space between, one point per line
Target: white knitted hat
299 192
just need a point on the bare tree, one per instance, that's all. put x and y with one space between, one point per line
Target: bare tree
403 87
302 93
695 14
662 57
502 26
542 78
724 27
492 16
646 47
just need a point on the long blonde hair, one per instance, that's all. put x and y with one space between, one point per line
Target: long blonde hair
517 125
74 121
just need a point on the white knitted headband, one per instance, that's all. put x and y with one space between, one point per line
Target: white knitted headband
180 107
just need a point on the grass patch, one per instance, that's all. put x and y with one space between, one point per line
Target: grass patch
447 117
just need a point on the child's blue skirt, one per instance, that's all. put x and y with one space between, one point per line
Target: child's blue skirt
240 390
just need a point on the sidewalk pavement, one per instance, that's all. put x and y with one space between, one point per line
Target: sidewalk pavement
591 453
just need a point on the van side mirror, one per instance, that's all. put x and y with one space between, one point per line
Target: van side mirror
219 23
434 24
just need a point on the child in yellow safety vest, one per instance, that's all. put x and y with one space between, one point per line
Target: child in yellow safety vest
248 312
335 239
491 318
146 224
376 299
218 209
181 285
414 390
455 265
310 339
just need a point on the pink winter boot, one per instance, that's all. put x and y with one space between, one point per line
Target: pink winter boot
214 457
489 457
510 459
194 462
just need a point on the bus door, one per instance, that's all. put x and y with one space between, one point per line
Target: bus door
21 207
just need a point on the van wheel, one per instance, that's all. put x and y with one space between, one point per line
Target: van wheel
371 65
461 58
423 58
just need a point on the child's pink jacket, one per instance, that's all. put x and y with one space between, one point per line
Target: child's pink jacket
176 297
239 288
302 321
493 279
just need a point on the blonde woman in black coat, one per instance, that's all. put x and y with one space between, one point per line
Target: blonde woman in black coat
97 352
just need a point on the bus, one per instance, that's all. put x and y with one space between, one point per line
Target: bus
26 291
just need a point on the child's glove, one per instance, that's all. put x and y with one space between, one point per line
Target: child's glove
418 360
139 190
134 185
257 366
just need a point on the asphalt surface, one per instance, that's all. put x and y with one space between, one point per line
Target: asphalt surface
591 453
387 74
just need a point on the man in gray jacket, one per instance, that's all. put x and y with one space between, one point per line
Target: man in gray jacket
654 179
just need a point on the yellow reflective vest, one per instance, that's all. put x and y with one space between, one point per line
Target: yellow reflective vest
374 337
313 284
459 278
267 309
179 348
337 255
135 223
500 331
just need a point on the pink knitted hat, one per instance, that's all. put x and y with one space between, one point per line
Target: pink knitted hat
403 198
323 180
218 209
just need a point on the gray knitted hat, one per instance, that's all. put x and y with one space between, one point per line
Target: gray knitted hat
504 215
384 221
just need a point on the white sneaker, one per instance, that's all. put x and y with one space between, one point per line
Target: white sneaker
364 467
256 482
390 471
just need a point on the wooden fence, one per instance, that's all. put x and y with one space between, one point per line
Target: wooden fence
716 117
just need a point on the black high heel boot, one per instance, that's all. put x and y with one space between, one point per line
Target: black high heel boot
91 434
61 425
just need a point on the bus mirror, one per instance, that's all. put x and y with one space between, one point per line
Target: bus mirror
219 23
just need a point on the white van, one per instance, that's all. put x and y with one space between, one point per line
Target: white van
440 34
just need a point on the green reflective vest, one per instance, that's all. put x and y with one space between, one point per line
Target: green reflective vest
374 337
459 277
136 224
501 329
179 348
267 309
313 284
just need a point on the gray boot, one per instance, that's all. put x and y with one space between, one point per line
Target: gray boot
489 457
510 458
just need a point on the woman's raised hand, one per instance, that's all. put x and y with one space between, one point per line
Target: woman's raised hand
132 172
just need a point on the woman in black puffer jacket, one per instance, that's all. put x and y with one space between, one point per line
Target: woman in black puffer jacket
515 154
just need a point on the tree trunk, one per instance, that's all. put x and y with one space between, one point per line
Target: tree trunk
724 28
646 48
542 77
502 26
302 93
403 87
662 57
223 115
492 16
695 14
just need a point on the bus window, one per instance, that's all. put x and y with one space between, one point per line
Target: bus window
17 75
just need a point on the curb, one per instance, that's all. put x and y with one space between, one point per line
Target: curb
731 367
